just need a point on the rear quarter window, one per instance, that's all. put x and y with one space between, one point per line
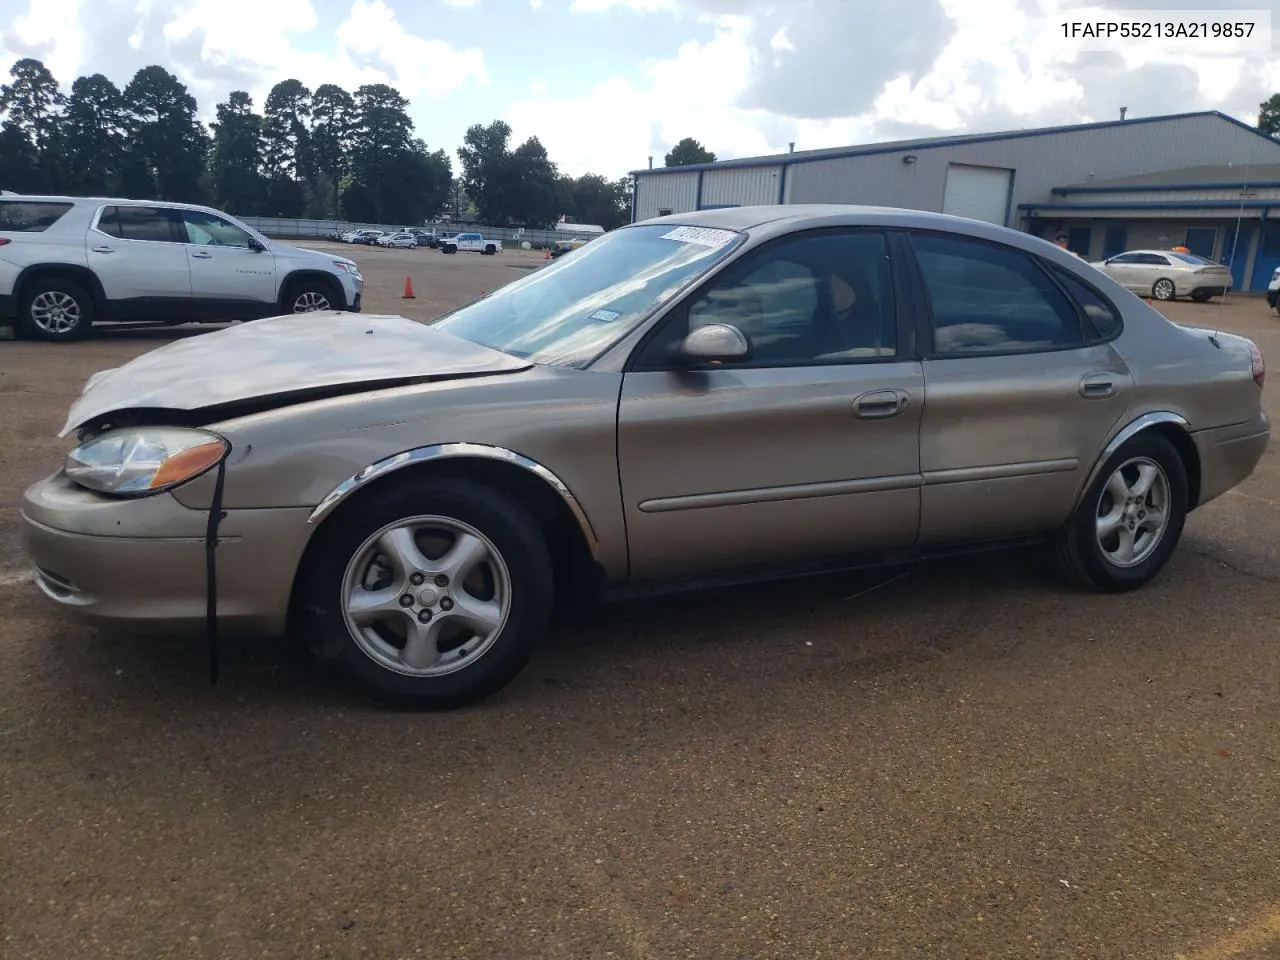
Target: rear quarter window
30 216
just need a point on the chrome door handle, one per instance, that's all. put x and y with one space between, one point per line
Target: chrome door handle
880 404
1098 387
202 254
103 250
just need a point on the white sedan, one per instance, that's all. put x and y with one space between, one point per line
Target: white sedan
402 240
1166 274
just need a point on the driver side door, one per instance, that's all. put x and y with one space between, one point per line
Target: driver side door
807 450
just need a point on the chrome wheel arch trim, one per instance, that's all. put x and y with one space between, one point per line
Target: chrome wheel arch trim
1126 433
453 451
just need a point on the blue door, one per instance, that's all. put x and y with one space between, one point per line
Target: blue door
1268 258
1200 241
1079 239
1232 245
1115 241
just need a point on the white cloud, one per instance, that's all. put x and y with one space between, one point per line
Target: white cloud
464 4
998 70
536 4
420 68
605 6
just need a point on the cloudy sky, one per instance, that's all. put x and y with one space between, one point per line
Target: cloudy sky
607 83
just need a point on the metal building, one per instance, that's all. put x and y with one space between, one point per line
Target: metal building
1029 179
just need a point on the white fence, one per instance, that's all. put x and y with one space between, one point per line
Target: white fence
318 229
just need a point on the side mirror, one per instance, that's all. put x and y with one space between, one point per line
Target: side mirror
716 342
256 245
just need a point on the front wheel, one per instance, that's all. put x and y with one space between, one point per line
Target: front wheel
308 296
450 249
1131 518
1163 289
433 594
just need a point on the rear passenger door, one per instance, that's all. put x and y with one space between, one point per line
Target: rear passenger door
137 254
1022 388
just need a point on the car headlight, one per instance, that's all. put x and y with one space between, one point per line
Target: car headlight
348 266
142 461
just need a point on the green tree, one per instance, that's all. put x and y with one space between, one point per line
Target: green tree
236 157
332 120
167 140
483 156
33 106
19 161
286 146
593 199
416 186
382 134
689 151
530 186
93 136
1269 116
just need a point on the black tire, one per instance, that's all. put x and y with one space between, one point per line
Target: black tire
490 251
450 248
1078 549
1163 289
1201 297
297 290
511 531
70 293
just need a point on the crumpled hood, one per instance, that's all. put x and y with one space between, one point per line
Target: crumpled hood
286 355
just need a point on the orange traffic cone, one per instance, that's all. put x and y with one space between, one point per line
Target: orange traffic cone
408 290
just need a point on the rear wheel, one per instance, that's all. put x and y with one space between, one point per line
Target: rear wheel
1200 296
55 309
1131 518
432 594
1163 289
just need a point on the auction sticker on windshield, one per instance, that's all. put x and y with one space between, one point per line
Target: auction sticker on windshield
702 236
605 316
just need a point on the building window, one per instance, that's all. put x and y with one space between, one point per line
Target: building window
664 212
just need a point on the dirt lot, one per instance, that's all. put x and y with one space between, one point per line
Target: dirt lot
971 760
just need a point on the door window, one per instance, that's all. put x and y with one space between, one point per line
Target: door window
822 298
1153 260
151 224
1101 316
206 230
1124 258
987 298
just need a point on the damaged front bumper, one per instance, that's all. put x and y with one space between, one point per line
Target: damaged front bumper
142 562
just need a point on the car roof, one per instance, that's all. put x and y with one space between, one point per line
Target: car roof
114 201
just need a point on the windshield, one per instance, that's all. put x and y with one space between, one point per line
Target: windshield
570 311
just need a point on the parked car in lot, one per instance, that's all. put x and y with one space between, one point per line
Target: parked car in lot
366 237
403 241
738 392
68 262
424 238
1166 274
471 243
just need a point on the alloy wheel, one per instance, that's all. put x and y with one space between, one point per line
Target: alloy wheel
426 596
55 312
1133 512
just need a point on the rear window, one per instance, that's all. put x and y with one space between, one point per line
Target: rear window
1191 258
30 216
154 224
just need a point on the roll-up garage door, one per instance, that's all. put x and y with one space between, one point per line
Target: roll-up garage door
979 193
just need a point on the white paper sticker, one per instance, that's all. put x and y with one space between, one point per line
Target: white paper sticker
702 236
605 316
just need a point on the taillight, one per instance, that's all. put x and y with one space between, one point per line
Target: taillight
3 241
1259 365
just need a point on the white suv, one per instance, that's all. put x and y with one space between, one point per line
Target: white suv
67 262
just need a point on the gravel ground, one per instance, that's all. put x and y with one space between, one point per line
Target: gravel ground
965 759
